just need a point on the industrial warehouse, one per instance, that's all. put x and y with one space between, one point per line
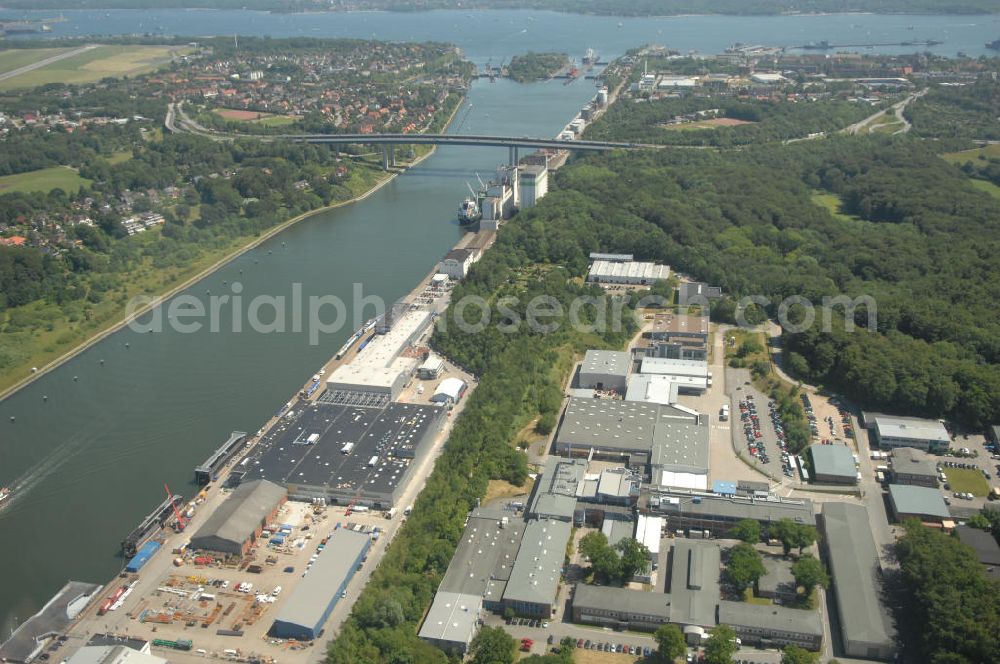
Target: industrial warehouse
310 605
674 439
235 526
344 453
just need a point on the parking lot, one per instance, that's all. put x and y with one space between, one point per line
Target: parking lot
758 432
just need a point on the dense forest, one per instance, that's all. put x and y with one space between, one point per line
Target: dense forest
536 66
958 113
751 222
606 7
646 121
947 607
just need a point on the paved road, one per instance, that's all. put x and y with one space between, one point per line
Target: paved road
45 62
896 110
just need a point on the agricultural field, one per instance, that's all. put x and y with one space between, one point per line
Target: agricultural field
94 64
15 58
44 180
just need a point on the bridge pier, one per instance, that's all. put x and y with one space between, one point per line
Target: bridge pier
388 156
512 158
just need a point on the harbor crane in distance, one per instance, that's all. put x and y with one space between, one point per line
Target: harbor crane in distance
179 523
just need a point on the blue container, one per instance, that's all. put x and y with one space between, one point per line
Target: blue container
142 557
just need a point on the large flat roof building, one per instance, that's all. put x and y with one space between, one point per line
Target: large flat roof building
854 566
919 502
613 427
627 272
452 621
911 466
303 615
620 608
605 370
770 626
379 367
927 435
834 464
237 523
718 514
695 567
691 376
334 451
534 579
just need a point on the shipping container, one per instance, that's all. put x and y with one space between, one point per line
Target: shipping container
142 557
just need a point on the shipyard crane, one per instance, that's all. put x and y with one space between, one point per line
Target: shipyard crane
179 522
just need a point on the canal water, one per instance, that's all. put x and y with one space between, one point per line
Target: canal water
94 441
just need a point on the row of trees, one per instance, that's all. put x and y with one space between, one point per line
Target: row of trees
947 607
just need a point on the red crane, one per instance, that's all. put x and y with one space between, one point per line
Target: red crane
179 522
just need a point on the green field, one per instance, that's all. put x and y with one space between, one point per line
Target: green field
833 204
966 479
44 180
95 64
972 155
14 58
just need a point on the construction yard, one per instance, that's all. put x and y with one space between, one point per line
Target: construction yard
198 605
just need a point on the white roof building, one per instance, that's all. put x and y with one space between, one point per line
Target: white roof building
450 389
632 272
649 531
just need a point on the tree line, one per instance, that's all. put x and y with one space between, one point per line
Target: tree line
911 232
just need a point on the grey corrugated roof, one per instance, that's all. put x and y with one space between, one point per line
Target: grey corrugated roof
910 427
616 425
335 564
557 488
854 564
778 576
485 551
681 446
734 507
777 618
987 549
836 460
238 517
452 617
918 500
911 461
654 604
694 582
535 577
